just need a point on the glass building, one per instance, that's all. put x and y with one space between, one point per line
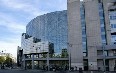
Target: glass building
50 27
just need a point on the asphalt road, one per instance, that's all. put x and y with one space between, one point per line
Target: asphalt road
12 71
27 71
37 71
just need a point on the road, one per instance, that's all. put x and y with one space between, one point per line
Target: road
27 71
37 71
12 71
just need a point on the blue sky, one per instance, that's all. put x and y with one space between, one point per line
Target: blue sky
14 16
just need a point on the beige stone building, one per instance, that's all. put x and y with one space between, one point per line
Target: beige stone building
91 34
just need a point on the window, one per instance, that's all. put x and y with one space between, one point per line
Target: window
84 47
112 17
102 29
113 25
83 32
101 14
100 6
84 39
101 21
103 37
82 16
113 36
83 23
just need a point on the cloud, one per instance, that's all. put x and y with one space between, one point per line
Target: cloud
22 6
52 5
9 41
35 7
11 24
9 47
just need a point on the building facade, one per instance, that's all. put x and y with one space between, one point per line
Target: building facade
46 32
33 45
51 27
91 34
87 30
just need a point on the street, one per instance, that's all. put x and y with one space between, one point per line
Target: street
12 71
37 71
26 71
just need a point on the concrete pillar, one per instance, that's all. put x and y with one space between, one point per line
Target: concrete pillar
48 60
75 34
111 61
111 64
93 32
32 61
24 66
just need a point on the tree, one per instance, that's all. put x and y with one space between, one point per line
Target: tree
64 53
2 59
8 61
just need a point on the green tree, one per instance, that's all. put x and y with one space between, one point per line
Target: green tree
2 59
8 61
64 53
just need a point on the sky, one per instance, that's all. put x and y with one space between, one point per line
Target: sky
15 15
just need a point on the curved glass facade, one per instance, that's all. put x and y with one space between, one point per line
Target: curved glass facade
51 27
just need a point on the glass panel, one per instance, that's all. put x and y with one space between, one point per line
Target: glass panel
51 27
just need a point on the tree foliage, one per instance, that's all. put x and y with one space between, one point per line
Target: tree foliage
8 60
2 59
64 53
